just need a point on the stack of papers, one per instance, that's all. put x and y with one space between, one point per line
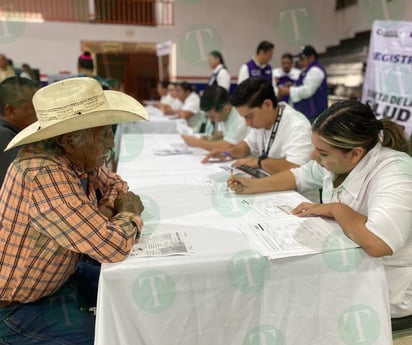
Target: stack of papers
173 149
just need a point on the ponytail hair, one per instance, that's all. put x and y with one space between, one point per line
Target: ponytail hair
349 124
218 55
393 136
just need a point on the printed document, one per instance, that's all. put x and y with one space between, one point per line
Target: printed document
163 244
276 233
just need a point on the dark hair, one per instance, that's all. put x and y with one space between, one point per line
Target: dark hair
13 91
218 55
349 124
164 83
287 56
265 46
186 86
214 97
253 92
85 61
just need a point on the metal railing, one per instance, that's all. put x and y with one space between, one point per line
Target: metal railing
130 12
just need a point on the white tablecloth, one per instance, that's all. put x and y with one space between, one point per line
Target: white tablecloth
158 124
226 293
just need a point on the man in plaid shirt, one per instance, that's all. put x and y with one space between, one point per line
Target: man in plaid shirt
58 202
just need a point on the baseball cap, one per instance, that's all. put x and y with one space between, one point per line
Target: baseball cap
307 50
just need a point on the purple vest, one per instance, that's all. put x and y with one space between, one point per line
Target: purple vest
318 102
256 72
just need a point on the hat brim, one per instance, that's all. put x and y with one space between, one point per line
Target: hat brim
122 108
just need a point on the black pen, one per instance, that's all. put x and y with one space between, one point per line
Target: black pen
260 226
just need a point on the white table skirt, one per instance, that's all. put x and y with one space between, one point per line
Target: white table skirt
226 293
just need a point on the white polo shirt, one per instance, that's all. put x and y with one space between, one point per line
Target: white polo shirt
234 128
380 188
192 104
292 141
167 99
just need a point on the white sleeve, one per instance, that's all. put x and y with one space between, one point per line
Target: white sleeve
243 74
177 104
251 141
191 103
390 203
223 79
295 73
168 100
311 83
275 74
236 134
308 177
298 149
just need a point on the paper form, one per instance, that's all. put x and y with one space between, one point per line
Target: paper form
293 236
163 244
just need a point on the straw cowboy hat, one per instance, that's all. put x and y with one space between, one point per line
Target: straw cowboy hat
74 104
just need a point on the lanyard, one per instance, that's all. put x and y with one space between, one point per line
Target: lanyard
272 135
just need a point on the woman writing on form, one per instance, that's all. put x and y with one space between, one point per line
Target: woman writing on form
366 185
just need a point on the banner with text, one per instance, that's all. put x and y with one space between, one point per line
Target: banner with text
387 87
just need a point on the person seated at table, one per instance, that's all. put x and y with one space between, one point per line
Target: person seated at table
190 109
366 185
163 92
215 102
173 104
85 68
280 136
58 202
16 113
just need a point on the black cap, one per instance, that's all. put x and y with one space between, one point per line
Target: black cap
307 51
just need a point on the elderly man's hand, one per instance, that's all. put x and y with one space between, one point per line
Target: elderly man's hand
128 202
106 210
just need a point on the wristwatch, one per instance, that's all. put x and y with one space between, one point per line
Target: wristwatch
260 159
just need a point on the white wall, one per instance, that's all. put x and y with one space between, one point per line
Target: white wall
233 26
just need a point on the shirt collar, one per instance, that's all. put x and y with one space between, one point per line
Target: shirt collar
77 170
217 68
356 178
8 125
258 64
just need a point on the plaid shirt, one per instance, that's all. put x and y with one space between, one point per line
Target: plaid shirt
47 221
